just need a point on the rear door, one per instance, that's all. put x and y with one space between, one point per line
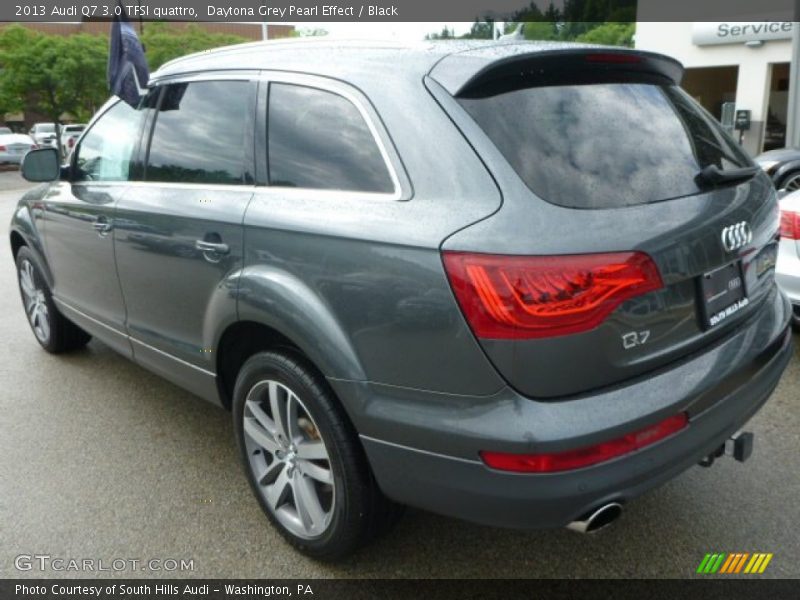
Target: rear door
631 257
179 232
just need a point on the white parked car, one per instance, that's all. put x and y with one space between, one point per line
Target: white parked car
69 136
13 146
44 134
787 270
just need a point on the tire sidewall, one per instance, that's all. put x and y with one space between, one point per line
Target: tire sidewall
25 254
268 365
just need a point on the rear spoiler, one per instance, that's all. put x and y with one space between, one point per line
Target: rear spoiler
504 67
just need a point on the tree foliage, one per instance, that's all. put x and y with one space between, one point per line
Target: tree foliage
52 75
163 43
609 22
56 75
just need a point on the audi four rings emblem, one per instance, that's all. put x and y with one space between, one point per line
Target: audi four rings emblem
735 236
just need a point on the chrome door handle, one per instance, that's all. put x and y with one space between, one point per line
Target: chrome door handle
215 248
102 225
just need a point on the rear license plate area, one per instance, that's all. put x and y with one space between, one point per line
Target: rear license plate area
722 294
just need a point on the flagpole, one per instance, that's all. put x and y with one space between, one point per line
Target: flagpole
264 28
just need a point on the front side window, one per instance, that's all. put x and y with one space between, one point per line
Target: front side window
199 134
106 151
319 140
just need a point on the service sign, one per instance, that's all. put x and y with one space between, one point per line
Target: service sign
708 34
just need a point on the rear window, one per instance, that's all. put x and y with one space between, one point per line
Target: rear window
605 145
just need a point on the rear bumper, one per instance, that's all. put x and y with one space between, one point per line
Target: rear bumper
8 158
423 448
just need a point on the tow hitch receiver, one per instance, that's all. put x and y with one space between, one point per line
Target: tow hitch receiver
739 446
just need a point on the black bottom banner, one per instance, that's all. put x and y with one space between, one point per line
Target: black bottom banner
388 589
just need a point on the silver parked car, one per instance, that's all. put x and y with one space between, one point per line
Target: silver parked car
788 269
44 134
69 136
13 146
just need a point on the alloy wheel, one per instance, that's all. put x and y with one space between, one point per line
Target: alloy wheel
35 302
289 459
793 183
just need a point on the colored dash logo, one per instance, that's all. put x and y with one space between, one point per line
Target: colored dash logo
734 563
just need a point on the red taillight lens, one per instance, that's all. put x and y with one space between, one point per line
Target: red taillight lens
71 142
2 148
34 147
589 455
790 225
518 297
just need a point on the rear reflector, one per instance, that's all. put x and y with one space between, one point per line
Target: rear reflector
790 225
589 455
522 297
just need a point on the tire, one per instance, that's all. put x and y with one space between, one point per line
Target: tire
54 332
347 508
790 181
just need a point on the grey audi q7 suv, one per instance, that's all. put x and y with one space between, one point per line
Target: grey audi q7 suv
515 283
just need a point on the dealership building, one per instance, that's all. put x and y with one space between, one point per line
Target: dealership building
732 67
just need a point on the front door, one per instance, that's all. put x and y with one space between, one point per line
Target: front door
79 226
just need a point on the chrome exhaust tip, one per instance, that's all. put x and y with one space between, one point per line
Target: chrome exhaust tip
597 519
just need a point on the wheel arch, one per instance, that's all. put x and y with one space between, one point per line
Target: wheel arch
784 170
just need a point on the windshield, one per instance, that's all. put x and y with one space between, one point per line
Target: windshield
45 128
605 145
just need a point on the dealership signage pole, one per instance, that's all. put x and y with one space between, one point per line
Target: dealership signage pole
793 124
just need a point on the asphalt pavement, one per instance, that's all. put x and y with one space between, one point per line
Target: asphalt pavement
101 460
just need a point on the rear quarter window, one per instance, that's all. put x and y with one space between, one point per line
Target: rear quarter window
320 140
604 145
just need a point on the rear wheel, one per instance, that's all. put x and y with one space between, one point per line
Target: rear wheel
54 332
303 458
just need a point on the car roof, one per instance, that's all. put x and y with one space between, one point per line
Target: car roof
456 61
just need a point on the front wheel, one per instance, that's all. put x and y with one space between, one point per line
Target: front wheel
303 458
54 332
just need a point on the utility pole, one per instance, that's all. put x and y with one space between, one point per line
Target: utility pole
264 28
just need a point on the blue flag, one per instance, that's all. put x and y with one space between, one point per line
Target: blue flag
127 67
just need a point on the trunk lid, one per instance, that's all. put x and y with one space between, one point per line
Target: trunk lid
592 157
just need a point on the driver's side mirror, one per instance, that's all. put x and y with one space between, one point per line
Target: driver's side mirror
41 165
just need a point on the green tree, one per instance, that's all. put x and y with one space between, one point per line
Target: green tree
445 34
163 43
53 75
611 34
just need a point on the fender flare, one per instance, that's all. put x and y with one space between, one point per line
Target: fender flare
280 300
784 170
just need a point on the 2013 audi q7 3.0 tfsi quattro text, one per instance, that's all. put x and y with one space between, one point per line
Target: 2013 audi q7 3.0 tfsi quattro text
515 283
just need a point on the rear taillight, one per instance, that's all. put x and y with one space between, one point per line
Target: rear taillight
588 455
34 147
2 148
71 142
790 225
518 297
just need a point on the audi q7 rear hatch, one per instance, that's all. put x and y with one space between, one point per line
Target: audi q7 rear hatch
634 230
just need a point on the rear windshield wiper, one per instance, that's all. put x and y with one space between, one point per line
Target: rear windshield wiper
713 175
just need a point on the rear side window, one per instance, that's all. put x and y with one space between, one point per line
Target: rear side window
605 145
319 140
199 133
